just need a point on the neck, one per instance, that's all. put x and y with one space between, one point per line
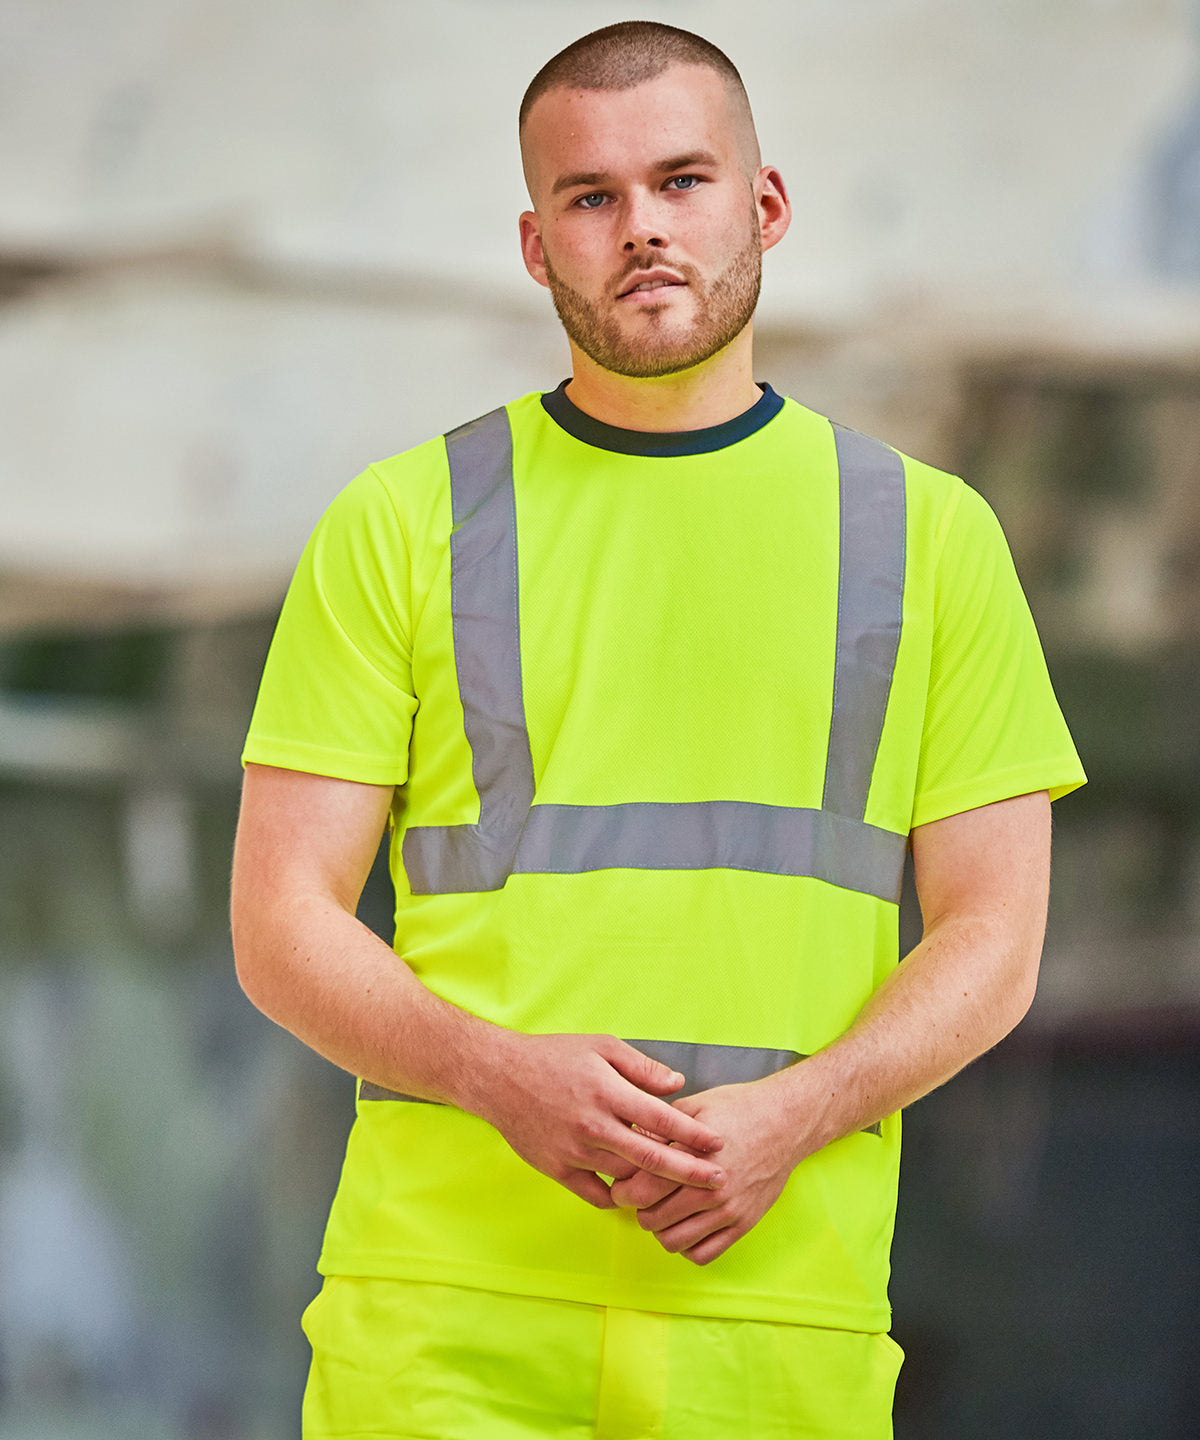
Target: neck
719 389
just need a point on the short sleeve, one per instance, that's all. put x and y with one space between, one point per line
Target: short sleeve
993 728
337 694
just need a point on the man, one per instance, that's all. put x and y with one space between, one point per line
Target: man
655 677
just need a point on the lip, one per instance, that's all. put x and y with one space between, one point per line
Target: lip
657 280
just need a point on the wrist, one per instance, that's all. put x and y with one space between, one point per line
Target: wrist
482 1067
807 1097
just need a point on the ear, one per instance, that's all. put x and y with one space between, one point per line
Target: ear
531 247
774 207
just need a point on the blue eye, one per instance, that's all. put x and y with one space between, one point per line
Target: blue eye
590 202
684 182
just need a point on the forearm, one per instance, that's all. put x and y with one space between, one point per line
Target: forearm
576 1107
983 878
958 993
315 969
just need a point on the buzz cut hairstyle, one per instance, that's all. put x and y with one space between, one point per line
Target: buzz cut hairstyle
620 56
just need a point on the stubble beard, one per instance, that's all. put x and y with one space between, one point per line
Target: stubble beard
722 310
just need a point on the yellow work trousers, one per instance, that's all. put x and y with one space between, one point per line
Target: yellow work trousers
397 1360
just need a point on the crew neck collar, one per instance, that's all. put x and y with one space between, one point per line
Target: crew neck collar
566 413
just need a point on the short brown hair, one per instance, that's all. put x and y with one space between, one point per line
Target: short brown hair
618 57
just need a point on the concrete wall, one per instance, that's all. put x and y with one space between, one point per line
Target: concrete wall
251 246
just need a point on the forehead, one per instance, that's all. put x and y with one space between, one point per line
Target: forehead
685 109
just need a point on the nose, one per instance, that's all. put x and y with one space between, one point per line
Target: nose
644 228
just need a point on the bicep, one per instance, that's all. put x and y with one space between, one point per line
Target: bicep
989 865
305 834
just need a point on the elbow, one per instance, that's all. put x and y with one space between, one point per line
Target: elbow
1022 987
251 956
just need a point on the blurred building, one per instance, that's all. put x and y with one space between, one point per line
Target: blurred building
245 249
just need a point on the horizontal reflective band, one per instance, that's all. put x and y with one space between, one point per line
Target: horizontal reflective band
713 835
649 835
703 1066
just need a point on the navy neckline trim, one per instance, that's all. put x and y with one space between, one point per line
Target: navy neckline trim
660 442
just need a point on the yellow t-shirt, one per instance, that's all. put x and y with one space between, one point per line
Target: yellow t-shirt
688 862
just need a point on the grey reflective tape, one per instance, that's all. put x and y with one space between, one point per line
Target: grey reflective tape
713 835
870 608
703 1067
513 836
487 655
368 1090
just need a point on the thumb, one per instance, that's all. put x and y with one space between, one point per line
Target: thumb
647 1074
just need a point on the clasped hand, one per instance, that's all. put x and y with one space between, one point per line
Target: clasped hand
757 1157
580 1107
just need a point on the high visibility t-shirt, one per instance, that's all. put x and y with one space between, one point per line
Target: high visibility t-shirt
660 711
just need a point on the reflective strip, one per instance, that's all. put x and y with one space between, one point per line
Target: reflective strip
514 836
487 655
713 835
703 1066
870 605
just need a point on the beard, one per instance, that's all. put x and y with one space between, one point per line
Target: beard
722 310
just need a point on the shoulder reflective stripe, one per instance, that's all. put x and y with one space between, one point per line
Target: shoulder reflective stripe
870 605
713 835
487 654
514 836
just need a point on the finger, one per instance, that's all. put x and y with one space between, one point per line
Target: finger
639 1069
633 1147
691 1233
591 1188
681 1205
713 1246
670 1124
640 1190
667 1161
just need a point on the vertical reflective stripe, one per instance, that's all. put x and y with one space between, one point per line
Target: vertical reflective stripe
870 607
486 621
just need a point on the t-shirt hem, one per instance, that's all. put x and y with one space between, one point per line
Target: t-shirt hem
323 760
1002 785
609 1291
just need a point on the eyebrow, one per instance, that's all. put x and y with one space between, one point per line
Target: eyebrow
597 178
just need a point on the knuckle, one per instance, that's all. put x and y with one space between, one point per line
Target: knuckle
647 1155
590 1130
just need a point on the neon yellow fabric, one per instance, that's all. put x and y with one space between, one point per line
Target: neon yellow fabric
409 1361
678 618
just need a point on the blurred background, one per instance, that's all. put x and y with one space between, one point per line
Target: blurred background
246 247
